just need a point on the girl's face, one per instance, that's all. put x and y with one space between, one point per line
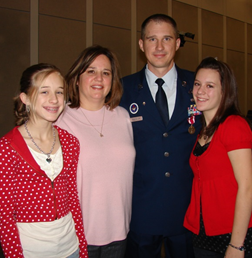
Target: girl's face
207 91
95 83
49 100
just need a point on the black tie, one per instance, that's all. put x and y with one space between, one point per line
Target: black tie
161 101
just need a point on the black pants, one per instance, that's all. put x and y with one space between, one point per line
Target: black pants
144 246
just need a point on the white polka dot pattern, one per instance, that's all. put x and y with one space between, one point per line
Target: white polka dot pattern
28 195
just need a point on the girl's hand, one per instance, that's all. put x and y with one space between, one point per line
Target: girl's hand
234 253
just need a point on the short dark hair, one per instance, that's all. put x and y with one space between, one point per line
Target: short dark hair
159 17
29 84
229 101
81 64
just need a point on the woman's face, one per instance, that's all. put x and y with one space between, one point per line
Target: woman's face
95 83
207 91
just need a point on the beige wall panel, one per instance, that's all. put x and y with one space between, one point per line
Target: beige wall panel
212 51
216 6
240 9
60 41
141 59
249 83
235 35
23 5
236 60
212 29
116 13
15 57
145 8
191 2
74 9
187 19
249 39
118 41
187 56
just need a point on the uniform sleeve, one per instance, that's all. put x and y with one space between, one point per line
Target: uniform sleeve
9 235
236 134
74 202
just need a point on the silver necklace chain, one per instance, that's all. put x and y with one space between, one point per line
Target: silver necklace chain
48 159
99 132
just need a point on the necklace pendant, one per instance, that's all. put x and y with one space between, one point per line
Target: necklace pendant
48 159
101 135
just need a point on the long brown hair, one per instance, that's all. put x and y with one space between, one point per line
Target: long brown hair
81 64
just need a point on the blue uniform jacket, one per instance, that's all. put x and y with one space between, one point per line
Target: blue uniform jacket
162 176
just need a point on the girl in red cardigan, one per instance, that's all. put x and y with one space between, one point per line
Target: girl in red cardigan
40 214
220 210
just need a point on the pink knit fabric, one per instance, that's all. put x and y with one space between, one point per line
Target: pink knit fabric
105 171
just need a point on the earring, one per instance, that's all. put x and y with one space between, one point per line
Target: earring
27 107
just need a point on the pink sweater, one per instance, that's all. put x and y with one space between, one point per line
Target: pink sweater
105 171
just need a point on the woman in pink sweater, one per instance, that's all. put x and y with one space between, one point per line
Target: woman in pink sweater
105 168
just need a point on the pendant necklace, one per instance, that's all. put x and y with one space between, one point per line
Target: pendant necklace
48 159
99 132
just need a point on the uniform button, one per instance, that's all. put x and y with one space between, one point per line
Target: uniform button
165 134
167 174
166 154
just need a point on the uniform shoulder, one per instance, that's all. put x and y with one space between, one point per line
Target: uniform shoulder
184 72
132 77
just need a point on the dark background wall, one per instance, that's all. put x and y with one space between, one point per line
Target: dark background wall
56 31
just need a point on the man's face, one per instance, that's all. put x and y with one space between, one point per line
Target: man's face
159 45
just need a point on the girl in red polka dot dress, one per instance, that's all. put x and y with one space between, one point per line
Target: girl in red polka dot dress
40 213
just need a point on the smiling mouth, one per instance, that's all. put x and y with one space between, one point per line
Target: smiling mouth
98 87
202 100
52 109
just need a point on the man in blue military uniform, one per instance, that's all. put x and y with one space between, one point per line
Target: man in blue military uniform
158 98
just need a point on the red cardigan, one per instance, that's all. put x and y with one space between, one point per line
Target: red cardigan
214 182
28 195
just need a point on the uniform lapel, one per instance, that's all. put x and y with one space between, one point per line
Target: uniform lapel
184 99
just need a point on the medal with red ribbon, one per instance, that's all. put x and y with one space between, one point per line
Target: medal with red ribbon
192 112
191 121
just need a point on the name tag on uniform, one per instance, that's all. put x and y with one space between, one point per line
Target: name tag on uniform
136 119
